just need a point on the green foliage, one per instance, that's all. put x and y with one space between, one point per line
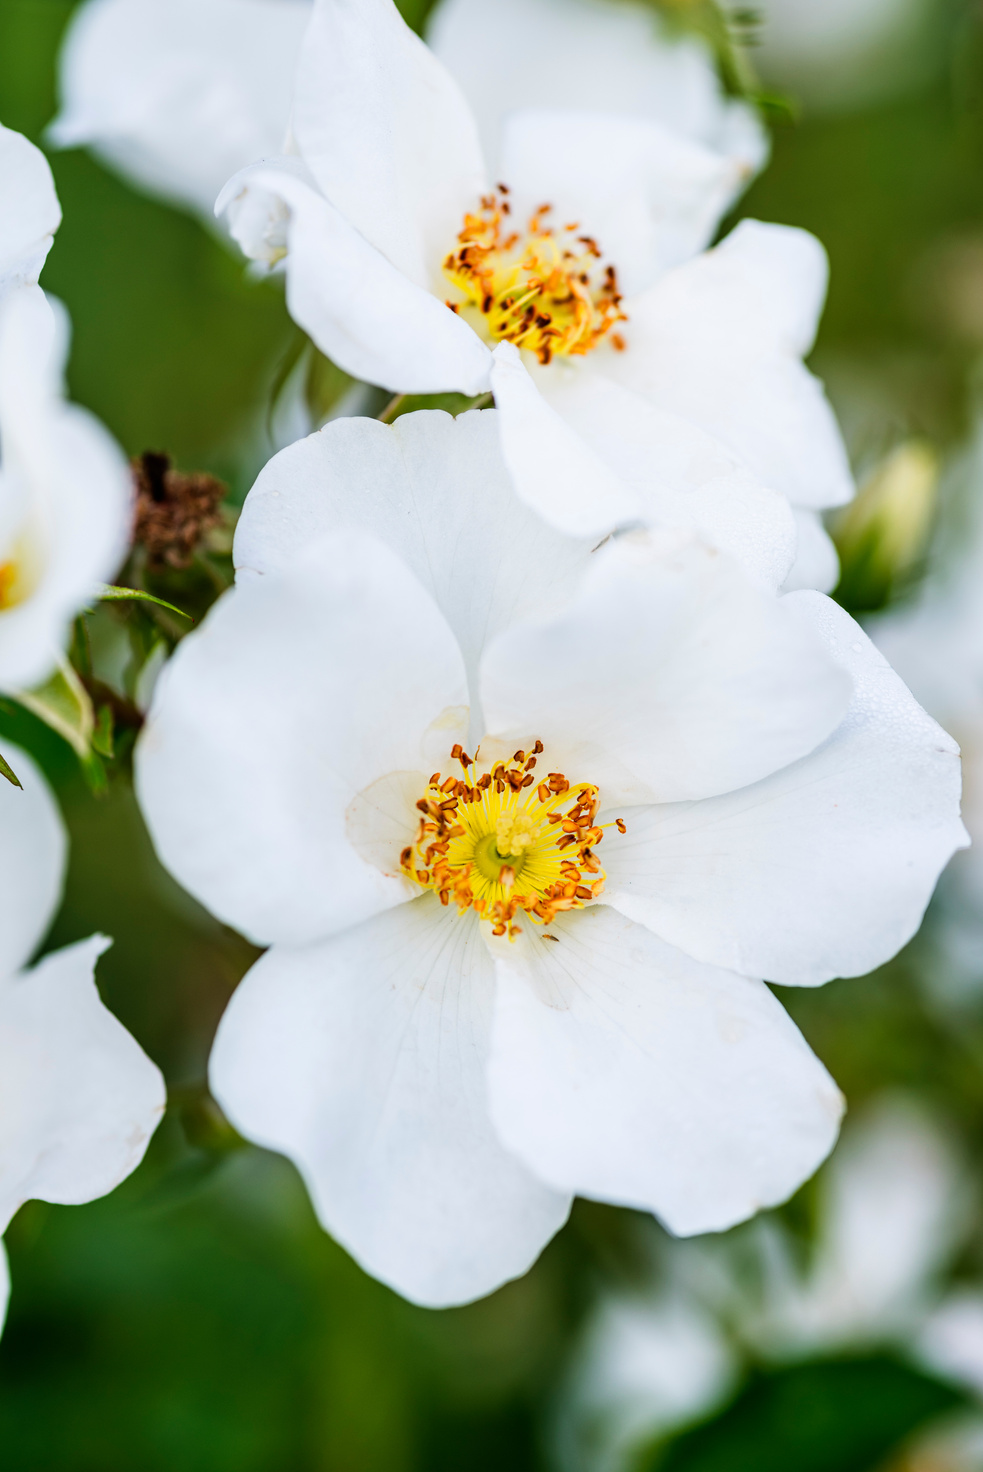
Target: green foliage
843 1415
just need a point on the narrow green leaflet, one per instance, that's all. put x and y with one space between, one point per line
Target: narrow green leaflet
110 594
6 770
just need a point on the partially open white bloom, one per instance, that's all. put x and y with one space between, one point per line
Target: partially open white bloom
79 1099
575 289
892 1211
179 94
501 977
64 484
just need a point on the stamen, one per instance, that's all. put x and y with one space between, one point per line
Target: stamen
544 291
506 845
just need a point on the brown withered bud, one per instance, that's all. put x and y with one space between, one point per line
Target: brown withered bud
174 511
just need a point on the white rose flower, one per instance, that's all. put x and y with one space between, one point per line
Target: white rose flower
179 94
64 485
79 1099
411 270
500 978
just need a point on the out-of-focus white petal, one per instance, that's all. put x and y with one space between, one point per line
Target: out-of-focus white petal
679 475
65 491
433 489
719 341
623 1070
363 1059
510 54
892 1208
361 311
668 674
79 1099
649 196
825 868
301 691
33 850
816 563
180 94
29 210
387 133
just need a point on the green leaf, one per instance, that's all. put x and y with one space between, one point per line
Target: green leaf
110 594
63 703
6 770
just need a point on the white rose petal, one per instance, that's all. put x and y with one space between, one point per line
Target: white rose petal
363 1058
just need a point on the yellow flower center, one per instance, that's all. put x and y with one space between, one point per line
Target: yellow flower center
508 841
18 578
545 289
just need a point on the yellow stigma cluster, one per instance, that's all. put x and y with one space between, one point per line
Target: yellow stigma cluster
544 289
508 841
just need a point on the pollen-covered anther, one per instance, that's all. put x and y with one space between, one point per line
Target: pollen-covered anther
544 289
503 843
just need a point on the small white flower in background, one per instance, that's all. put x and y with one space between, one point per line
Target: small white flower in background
411 269
179 94
894 1208
65 488
79 1099
500 978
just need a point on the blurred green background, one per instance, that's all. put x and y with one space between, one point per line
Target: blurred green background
198 1320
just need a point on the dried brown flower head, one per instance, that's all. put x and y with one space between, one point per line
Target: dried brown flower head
174 511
